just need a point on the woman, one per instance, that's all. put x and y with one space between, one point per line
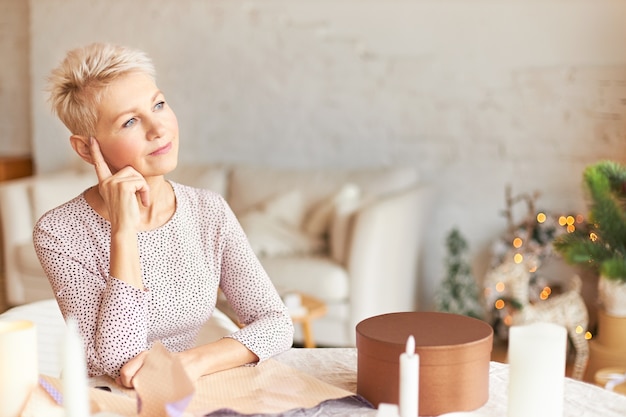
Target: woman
137 259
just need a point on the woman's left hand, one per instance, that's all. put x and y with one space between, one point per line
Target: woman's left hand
130 369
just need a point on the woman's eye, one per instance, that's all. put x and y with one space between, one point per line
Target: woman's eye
129 122
159 105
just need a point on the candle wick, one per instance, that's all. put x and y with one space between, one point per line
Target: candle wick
410 345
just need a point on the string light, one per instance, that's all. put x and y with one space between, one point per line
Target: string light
532 243
545 293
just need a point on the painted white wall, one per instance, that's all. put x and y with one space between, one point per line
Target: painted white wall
15 126
476 94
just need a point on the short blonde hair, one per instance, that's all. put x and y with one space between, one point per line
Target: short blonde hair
76 85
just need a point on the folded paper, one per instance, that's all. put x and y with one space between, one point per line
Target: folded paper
162 385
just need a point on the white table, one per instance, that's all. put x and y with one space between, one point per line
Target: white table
337 366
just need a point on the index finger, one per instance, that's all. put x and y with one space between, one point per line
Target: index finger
102 169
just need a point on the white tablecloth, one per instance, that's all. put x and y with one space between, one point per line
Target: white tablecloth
337 366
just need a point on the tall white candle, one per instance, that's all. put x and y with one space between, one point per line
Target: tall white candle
18 365
536 370
75 391
409 380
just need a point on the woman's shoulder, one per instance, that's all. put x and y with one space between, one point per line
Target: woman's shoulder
68 216
200 205
77 206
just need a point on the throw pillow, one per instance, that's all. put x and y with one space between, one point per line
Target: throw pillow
318 222
274 229
341 225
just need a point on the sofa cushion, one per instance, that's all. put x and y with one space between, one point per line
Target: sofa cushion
209 177
27 260
274 228
51 191
315 275
249 186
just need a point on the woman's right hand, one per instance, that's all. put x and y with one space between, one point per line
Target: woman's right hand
121 192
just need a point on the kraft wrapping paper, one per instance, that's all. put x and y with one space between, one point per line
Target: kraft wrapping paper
268 388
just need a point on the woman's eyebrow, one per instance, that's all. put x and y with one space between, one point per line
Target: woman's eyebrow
134 109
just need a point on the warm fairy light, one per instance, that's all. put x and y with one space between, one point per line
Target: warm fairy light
499 304
588 336
517 243
562 221
533 269
593 237
570 220
541 217
518 258
545 293
579 329
508 320
571 228
500 286
580 218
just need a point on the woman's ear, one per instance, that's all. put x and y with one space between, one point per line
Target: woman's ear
80 144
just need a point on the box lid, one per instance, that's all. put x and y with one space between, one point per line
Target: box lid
440 338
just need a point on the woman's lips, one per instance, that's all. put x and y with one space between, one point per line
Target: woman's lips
162 150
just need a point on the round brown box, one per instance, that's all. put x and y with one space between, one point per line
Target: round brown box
454 352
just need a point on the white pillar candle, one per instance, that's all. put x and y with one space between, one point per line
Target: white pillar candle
18 365
536 370
409 380
75 391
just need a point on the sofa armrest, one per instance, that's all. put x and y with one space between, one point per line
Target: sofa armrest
16 227
384 253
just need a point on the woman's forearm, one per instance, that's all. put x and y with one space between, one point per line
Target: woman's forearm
125 264
223 354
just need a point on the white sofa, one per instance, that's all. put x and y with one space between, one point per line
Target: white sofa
349 238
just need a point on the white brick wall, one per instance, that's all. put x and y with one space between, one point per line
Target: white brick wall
477 94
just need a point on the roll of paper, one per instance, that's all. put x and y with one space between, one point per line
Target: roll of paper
536 370
18 365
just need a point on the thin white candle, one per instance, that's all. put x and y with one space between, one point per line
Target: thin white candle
409 380
536 370
75 391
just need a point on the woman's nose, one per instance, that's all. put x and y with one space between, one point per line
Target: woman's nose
156 129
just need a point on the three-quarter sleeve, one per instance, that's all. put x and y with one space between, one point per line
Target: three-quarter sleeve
268 329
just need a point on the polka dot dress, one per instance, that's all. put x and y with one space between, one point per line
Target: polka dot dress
202 247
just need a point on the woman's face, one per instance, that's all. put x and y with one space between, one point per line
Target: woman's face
136 127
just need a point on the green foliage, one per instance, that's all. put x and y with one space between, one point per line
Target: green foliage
600 244
458 293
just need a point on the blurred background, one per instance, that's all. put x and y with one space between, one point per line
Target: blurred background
477 94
